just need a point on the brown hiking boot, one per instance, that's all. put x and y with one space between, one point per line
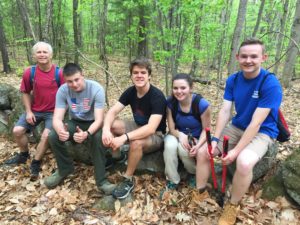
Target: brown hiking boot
229 214
200 197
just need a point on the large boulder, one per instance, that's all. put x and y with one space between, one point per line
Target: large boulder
263 166
291 175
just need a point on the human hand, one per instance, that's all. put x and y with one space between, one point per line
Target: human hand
117 142
230 157
30 118
64 134
183 140
80 135
107 138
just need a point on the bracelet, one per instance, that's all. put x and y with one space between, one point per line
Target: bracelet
215 139
89 134
127 137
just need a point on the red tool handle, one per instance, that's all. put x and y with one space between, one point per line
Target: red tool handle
212 166
224 169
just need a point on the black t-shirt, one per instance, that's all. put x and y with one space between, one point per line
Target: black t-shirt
153 102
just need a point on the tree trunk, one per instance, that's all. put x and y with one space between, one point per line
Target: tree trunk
143 42
197 35
48 21
102 34
26 20
261 8
293 48
280 36
220 48
237 35
37 8
3 49
75 29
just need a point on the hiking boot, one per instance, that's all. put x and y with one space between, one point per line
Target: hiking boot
124 188
107 187
54 180
18 158
200 196
229 214
35 168
169 187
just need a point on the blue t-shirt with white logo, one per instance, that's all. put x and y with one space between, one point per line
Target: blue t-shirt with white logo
246 97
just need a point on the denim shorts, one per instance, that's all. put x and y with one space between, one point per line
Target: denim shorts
40 117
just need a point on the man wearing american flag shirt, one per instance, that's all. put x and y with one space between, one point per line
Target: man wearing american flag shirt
85 101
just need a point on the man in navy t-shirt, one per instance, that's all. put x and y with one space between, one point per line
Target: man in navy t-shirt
252 129
145 133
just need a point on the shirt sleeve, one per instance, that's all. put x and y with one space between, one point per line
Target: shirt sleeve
203 105
228 94
124 98
100 99
61 97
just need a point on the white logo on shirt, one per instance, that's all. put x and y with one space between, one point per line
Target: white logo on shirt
255 94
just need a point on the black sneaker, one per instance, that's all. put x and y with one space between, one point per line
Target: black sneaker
18 158
123 189
35 168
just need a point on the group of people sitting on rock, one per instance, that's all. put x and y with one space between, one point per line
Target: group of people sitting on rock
48 94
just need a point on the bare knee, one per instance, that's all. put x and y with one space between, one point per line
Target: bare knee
202 155
118 127
136 145
18 131
244 166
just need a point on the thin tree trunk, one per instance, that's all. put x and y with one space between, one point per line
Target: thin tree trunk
237 35
37 8
75 29
48 20
261 8
102 34
280 36
293 48
26 20
143 43
3 49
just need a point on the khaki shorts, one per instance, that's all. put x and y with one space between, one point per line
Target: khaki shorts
259 144
157 139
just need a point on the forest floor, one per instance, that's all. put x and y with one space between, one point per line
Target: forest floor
26 202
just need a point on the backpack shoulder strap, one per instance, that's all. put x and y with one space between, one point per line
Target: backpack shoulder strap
57 78
32 74
263 81
195 107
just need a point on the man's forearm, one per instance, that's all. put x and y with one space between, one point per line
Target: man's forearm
26 98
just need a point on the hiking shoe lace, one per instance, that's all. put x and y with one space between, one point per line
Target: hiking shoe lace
123 189
229 214
17 159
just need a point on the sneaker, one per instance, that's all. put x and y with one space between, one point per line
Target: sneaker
229 214
54 180
35 168
18 158
123 189
169 187
107 187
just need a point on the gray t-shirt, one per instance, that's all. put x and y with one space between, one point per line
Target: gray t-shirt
81 104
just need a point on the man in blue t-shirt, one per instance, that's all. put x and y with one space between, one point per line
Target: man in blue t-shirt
252 128
145 133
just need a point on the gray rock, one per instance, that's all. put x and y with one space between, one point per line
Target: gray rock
108 202
5 102
263 166
291 175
